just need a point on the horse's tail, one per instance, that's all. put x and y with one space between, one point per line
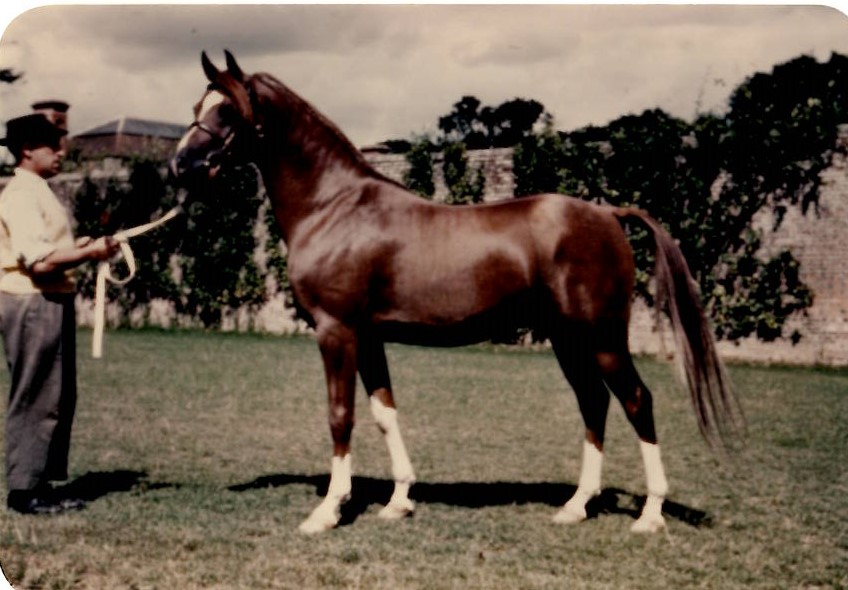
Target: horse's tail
717 409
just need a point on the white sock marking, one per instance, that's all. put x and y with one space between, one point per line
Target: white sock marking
654 472
387 421
588 486
590 472
341 476
328 513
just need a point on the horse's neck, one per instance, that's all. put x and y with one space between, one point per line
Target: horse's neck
304 177
307 162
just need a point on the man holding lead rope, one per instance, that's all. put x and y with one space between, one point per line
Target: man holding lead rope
37 315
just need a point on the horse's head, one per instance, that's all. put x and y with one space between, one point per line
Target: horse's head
224 126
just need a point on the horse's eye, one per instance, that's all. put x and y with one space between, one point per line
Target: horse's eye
227 112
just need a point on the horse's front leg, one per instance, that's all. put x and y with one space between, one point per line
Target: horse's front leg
338 350
374 371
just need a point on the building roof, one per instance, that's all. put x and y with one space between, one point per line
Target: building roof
140 127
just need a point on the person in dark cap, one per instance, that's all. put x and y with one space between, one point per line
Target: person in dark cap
37 317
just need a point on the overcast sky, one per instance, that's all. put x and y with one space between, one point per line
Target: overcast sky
389 71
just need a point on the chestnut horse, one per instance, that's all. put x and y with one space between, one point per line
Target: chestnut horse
370 262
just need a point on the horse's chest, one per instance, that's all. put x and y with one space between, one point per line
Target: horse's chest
334 281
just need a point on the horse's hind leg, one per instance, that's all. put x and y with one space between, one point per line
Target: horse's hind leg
581 369
374 371
624 381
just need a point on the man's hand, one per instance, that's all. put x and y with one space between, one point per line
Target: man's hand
102 248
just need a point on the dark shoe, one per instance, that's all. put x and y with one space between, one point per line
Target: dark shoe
30 502
68 503
64 497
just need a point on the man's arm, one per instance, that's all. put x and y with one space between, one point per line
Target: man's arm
67 258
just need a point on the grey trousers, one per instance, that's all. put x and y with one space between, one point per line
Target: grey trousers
39 338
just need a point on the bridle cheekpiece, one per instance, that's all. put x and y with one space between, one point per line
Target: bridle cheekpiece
222 142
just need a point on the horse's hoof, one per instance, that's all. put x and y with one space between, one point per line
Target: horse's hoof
312 526
319 522
397 510
569 515
648 524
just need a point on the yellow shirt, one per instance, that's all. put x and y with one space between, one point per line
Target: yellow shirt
33 224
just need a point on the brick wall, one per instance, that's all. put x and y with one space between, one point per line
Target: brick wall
495 163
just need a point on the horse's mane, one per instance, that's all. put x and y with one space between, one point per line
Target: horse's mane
336 136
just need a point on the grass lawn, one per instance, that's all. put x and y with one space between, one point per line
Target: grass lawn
201 453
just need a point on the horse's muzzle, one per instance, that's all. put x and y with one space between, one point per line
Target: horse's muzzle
185 170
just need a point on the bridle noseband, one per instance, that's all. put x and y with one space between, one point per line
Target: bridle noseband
224 141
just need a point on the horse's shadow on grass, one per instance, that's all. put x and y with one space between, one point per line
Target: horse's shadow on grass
369 491
98 484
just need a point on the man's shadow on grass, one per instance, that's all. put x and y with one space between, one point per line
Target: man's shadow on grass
368 491
98 484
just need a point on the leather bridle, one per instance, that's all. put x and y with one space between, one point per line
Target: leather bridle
214 156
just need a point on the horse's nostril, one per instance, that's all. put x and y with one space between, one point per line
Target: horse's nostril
181 167
173 170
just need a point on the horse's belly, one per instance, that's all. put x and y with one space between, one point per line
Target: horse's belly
431 335
499 322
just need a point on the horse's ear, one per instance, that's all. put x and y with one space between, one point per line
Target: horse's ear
208 67
232 67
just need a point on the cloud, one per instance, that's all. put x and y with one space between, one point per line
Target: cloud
386 71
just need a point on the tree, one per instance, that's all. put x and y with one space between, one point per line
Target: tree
465 185
121 205
487 127
219 271
202 261
469 126
781 130
8 76
510 122
707 181
419 177
780 134
463 124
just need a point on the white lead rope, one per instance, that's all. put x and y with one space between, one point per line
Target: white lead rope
104 273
